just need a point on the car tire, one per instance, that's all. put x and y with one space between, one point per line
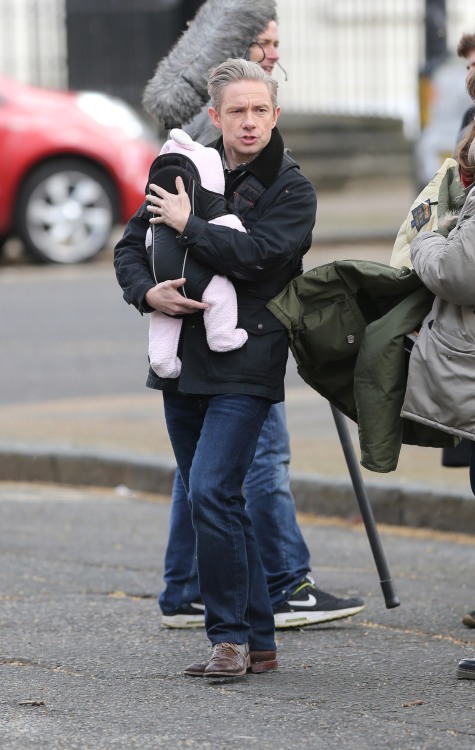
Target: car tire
66 211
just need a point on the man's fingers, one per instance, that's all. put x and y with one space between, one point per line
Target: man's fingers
194 305
162 193
185 304
177 283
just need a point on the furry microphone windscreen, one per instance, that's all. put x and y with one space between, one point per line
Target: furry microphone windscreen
220 29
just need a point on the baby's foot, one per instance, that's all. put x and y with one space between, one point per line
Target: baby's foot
170 368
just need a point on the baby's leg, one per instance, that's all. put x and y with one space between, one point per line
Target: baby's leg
220 318
163 336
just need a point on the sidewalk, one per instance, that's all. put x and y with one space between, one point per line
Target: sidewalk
106 442
363 212
85 664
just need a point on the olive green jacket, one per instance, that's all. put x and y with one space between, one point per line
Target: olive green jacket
346 322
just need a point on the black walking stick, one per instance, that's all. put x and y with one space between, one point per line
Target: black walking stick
387 585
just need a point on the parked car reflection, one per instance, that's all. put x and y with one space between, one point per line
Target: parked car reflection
73 165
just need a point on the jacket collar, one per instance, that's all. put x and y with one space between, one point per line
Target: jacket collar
266 165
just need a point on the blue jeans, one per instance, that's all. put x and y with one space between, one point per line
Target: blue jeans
214 439
271 507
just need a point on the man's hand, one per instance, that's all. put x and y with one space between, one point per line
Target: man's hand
167 208
166 298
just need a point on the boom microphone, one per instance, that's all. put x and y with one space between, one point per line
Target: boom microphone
220 29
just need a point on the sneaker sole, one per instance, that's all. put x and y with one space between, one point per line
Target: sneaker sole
301 619
182 622
465 674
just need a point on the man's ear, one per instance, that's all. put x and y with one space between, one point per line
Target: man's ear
215 119
276 116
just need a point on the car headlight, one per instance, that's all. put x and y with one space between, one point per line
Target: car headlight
114 113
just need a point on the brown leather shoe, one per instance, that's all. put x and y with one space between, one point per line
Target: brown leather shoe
261 661
228 660
469 620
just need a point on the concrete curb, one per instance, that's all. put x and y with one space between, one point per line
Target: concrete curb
355 236
411 505
59 464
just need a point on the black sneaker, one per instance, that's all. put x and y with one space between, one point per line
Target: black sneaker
309 605
466 669
469 620
187 616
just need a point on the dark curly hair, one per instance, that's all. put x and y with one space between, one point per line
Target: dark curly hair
464 158
466 45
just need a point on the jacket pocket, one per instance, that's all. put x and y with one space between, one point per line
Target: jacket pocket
331 334
440 380
263 357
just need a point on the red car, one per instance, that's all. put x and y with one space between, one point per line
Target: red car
72 166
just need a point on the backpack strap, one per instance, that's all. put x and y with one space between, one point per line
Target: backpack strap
248 192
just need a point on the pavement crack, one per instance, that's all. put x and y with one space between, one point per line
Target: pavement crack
17 662
415 632
131 597
46 667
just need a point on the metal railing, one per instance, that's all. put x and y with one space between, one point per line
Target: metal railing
33 41
360 57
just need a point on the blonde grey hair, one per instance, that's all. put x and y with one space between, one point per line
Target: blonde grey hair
237 69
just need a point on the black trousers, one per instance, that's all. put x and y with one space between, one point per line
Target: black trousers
458 456
462 455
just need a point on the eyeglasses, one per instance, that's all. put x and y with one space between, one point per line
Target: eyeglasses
260 55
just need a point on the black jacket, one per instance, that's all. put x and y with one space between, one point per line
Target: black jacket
260 263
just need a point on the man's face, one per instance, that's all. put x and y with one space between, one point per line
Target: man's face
266 52
246 118
470 61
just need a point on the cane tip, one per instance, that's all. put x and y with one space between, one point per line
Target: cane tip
391 599
392 602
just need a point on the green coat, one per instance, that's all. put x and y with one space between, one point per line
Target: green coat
346 323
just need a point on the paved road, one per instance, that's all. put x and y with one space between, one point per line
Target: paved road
85 665
66 331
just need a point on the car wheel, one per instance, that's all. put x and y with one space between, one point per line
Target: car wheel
65 211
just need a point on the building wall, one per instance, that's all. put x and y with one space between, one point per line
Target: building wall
33 41
360 57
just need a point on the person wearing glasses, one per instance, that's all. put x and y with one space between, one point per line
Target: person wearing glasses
265 50
296 599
